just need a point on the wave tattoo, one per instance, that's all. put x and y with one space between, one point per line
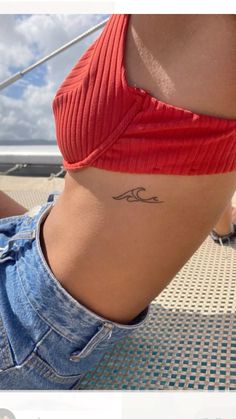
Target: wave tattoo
133 196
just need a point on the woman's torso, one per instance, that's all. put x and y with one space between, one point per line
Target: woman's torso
186 60
97 241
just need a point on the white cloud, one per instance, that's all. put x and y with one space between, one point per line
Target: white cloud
29 117
13 50
24 40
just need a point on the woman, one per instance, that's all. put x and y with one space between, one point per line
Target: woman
146 123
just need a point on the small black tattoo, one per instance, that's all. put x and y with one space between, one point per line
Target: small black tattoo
132 196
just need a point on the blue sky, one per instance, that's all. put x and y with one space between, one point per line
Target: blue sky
25 106
35 77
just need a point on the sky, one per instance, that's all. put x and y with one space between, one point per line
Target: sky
26 106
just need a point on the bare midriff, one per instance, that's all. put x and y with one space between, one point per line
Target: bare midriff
114 254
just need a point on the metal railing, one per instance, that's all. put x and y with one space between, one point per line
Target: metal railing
21 73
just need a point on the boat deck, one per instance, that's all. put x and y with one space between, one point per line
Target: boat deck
190 339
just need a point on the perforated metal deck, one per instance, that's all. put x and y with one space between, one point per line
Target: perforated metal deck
190 340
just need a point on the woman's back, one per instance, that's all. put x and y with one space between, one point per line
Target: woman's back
111 245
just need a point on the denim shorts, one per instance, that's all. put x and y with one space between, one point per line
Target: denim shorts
48 340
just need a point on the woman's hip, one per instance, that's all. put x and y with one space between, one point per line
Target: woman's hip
48 339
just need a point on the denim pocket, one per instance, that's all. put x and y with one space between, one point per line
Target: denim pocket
50 366
47 365
37 371
6 359
35 374
67 358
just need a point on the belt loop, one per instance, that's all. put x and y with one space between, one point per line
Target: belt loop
104 332
23 235
53 196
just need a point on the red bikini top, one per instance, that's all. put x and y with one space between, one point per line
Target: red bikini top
103 122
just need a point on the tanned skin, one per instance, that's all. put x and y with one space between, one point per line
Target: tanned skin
115 240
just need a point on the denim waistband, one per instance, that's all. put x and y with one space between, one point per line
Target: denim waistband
45 293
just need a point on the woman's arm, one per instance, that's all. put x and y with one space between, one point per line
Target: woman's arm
9 207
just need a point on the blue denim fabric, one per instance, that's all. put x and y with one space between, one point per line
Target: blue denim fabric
48 340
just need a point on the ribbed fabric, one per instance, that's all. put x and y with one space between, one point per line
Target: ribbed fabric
103 122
